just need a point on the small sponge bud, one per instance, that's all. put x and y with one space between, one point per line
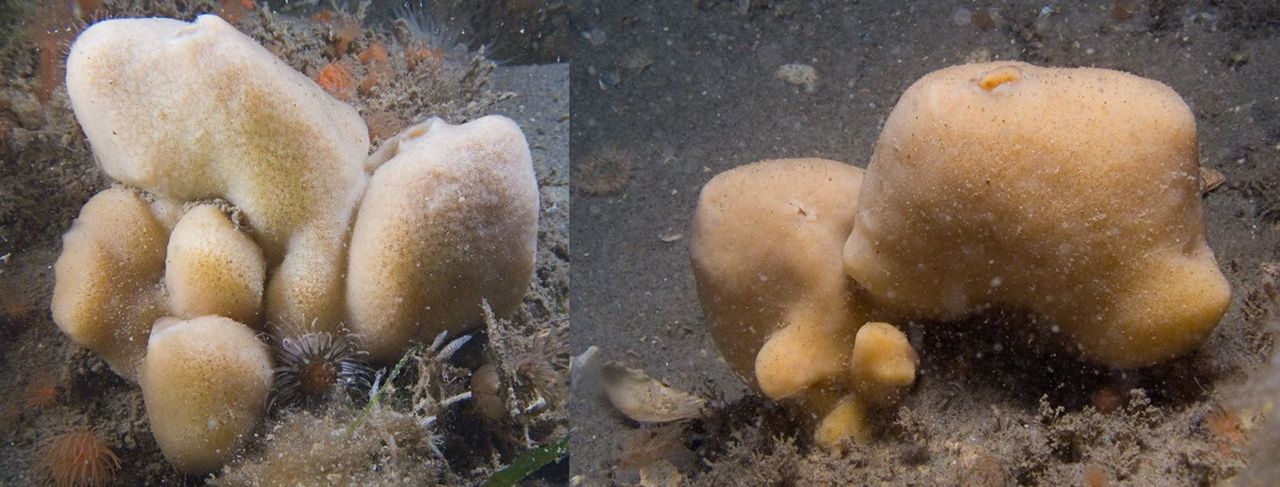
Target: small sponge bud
213 269
883 363
205 383
847 420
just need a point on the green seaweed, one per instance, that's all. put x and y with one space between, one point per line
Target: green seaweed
376 398
527 463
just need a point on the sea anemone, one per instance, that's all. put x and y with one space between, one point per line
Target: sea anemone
315 365
78 457
41 392
425 37
336 79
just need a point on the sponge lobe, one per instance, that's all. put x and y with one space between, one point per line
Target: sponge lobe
193 111
1068 192
211 268
766 250
107 280
449 222
205 383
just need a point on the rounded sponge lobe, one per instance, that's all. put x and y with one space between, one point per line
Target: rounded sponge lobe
193 111
107 280
766 249
211 268
1072 193
205 383
449 222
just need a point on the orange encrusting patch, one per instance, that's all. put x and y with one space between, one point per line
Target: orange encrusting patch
324 16
996 77
1095 476
336 80
375 53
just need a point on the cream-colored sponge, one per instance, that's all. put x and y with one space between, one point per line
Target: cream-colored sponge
766 246
108 280
1072 193
213 269
193 111
205 383
449 221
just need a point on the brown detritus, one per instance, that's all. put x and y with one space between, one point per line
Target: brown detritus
86 10
983 19
234 11
603 172
383 124
323 16
644 446
77 457
345 29
417 54
1095 476
984 470
533 358
49 68
1264 302
14 305
778 465
1210 179
484 392
10 413
1107 399
5 126
366 85
1122 10
52 27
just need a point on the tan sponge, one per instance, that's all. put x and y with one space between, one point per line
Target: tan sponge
211 268
449 222
108 281
193 111
204 382
766 252
1071 193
